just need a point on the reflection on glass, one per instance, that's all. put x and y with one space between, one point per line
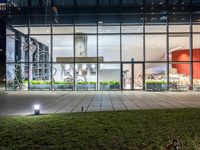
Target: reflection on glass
85 48
179 76
127 76
109 76
156 76
63 76
132 47
109 47
196 76
40 76
179 47
63 48
86 76
39 49
155 47
17 76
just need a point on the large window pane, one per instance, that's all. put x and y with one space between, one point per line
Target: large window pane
109 47
86 76
179 76
86 48
196 76
63 50
179 47
132 47
63 76
109 76
40 76
17 76
132 29
20 23
155 47
85 29
63 30
109 29
156 76
196 21
40 49
196 47
17 48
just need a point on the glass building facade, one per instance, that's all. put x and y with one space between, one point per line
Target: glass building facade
103 45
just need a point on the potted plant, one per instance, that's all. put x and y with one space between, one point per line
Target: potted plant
81 85
114 85
92 85
156 85
104 85
40 85
61 85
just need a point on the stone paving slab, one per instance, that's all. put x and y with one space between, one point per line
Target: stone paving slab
21 102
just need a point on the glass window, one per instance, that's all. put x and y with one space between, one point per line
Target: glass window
179 76
63 30
63 49
174 2
40 76
40 25
155 28
132 47
17 76
85 29
196 47
86 3
160 2
62 19
136 19
63 76
86 19
109 2
86 76
109 47
66 3
179 22
179 47
109 29
155 23
179 28
20 23
155 47
86 48
196 76
40 30
132 3
109 76
40 48
109 20
16 48
156 76
196 22
132 29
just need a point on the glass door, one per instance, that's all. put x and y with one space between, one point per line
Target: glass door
138 76
132 76
127 76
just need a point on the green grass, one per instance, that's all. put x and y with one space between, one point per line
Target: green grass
137 130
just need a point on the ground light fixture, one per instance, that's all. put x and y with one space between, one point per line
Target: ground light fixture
36 109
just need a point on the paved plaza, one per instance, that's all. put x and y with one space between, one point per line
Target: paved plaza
21 102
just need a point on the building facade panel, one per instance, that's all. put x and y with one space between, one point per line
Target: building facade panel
102 45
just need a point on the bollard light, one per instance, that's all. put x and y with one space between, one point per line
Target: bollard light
37 109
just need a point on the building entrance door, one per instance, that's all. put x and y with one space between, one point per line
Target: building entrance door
132 76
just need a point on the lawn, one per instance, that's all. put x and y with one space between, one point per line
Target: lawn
137 130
